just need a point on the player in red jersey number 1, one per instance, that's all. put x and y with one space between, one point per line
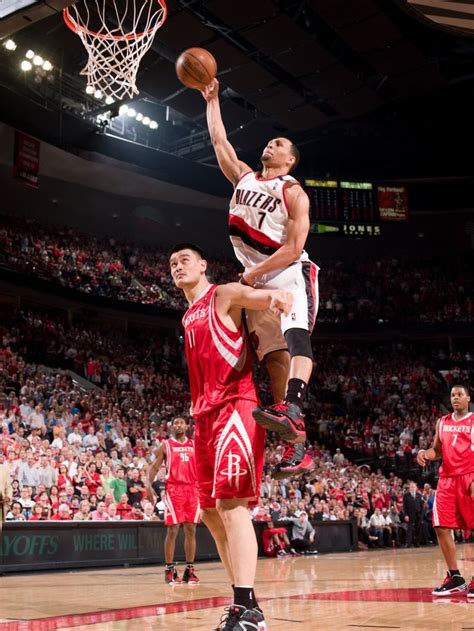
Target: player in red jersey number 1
181 498
229 444
454 501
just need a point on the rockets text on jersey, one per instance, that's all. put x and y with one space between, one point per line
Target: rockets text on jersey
258 217
180 462
457 440
219 360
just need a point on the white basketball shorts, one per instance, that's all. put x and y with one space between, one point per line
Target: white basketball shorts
266 329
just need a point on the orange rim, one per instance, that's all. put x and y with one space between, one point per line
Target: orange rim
77 28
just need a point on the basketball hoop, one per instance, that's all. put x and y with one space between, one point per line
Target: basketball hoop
116 35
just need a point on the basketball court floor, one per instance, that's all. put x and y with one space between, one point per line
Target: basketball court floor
365 590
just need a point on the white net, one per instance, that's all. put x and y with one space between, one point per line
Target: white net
116 35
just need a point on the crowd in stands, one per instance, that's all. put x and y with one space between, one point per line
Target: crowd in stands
383 290
82 454
98 267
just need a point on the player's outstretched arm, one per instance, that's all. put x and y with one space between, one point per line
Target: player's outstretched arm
236 295
297 233
230 165
153 471
433 453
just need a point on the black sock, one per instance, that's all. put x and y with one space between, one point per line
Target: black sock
295 392
454 573
170 566
244 597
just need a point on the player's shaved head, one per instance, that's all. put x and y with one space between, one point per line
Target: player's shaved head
179 247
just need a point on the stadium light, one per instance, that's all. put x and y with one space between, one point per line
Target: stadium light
47 65
38 60
131 112
10 44
146 120
109 100
139 116
25 65
153 125
98 95
90 90
29 54
123 110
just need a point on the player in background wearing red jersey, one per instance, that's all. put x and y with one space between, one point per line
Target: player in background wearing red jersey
454 501
229 444
269 224
181 498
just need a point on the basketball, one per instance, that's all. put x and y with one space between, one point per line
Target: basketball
196 68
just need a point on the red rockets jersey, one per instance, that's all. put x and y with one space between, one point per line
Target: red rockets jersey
180 462
457 440
219 360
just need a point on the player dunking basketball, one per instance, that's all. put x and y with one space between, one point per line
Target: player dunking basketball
229 444
269 224
454 501
181 498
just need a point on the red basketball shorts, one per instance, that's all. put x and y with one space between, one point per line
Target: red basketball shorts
181 504
454 505
229 453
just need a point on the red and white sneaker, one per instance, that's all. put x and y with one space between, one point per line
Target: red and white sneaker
294 461
470 590
451 585
172 577
284 418
190 577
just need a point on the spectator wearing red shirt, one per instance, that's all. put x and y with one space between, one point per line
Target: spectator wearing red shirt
92 478
61 499
63 514
123 507
135 514
63 478
39 514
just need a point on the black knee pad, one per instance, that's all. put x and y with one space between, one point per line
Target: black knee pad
299 343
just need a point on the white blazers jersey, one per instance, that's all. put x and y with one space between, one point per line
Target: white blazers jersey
258 217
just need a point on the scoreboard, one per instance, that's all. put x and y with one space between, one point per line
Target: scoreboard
323 198
363 202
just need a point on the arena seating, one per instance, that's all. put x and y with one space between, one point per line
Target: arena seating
422 290
370 409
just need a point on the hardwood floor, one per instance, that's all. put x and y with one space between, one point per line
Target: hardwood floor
365 590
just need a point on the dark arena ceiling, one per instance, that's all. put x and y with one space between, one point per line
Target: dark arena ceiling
365 87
